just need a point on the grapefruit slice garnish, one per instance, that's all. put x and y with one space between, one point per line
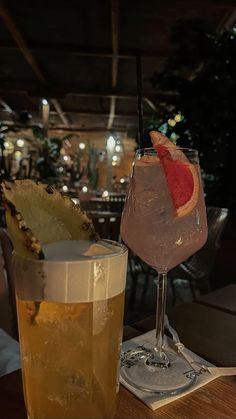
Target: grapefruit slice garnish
181 175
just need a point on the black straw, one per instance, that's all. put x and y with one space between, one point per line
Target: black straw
140 97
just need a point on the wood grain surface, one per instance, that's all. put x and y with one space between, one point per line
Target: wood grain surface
214 401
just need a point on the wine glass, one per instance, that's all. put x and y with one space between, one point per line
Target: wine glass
163 222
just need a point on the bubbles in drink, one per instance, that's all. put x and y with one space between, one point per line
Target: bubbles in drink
150 226
65 354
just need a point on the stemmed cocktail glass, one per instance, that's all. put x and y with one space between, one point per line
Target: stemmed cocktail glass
163 222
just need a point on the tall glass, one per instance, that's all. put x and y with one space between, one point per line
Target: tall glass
70 317
163 238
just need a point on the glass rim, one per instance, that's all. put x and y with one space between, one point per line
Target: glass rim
176 148
85 259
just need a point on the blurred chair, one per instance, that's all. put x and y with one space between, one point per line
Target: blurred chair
7 275
2 216
196 270
139 268
106 224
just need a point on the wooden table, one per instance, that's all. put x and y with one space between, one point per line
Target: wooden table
214 401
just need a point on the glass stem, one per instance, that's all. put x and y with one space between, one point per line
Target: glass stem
160 313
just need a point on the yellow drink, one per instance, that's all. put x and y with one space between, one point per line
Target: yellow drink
70 351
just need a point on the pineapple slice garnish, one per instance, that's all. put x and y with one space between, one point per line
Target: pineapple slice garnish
38 214
24 242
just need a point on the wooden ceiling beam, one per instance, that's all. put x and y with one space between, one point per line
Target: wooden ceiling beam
18 38
72 127
228 19
105 114
57 91
7 108
150 103
69 49
59 111
127 115
20 41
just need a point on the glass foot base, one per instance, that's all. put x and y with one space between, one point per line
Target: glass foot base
170 378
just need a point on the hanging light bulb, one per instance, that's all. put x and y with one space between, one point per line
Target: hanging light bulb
111 142
9 146
105 194
118 148
171 122
44 102
20 142
18 155
178 117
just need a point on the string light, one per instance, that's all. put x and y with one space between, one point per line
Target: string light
171 122
8 145
18 155
44 102
178 117
20 142
105 194
111 142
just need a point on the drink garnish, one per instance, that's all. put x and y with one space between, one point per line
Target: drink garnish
180 174
38 214
23 239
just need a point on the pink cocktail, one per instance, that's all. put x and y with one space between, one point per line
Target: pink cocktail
150 226
163 222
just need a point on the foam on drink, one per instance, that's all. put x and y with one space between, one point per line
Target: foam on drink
72 250
56 277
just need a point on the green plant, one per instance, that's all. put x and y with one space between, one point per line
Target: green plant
198 88
4 168
48 155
